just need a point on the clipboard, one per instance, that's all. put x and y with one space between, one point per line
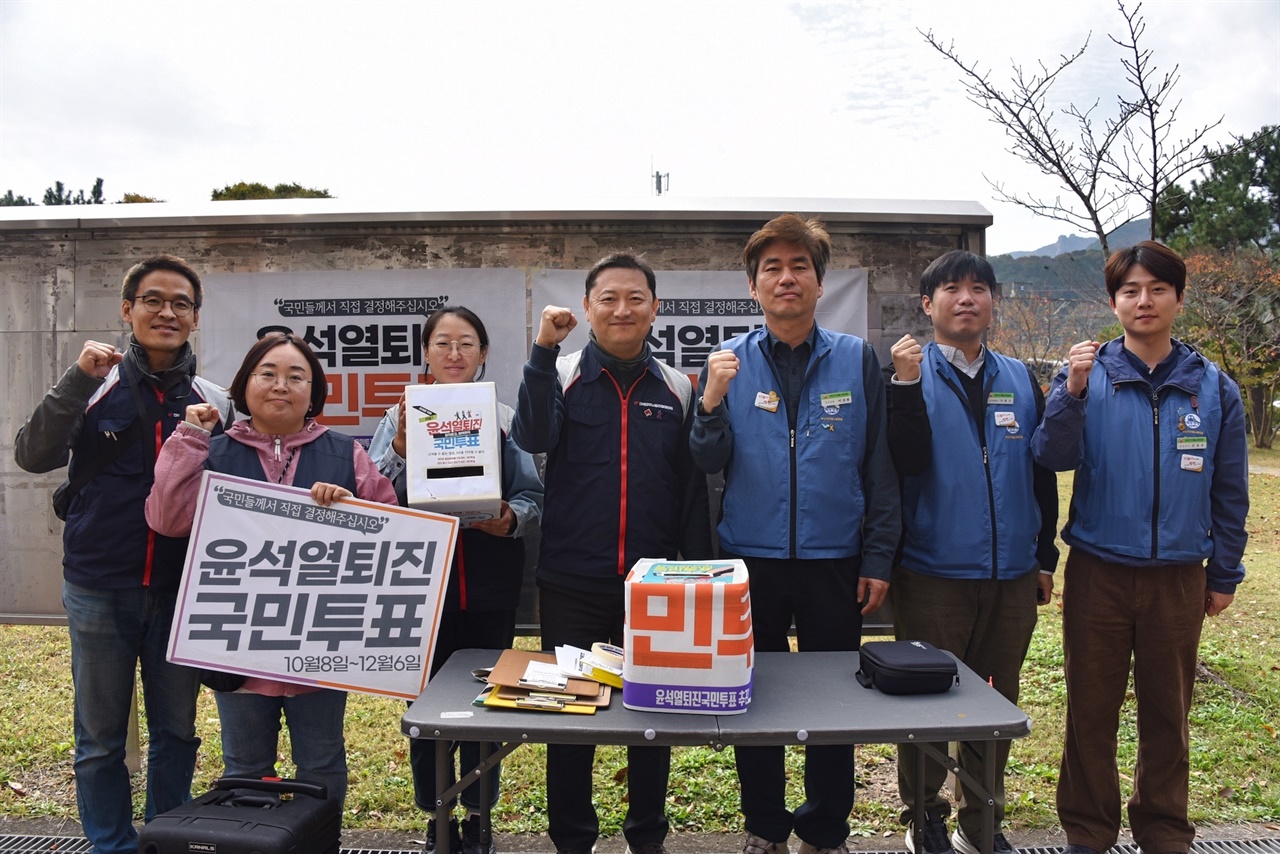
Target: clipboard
513 662
600 701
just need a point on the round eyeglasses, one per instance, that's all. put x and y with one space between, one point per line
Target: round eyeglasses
179 306
267 380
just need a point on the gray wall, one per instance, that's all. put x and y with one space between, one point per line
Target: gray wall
60 282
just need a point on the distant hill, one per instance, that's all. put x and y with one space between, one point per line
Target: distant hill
1070 268
1125 235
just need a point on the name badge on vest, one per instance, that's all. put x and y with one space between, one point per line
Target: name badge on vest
1006 419
1190 462
767 401
1000 398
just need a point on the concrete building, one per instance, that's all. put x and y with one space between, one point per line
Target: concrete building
60 275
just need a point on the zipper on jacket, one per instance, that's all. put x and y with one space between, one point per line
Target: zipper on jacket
622 504
1155 467
986 463
151 535
277 448
793 420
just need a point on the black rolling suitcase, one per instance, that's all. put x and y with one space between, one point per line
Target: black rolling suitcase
244 815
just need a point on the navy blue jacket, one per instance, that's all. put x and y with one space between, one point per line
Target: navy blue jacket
106 544
620 485
1162 475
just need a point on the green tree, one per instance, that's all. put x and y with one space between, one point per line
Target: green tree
58 195
243 191
1237 204
9 200
137 198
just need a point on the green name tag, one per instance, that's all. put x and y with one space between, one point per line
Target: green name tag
1000 398
1192 443
837 398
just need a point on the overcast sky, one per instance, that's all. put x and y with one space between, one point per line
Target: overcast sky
408 104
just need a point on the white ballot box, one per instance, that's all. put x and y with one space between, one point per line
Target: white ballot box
454 454
688 645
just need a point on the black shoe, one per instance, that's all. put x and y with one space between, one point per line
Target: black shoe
455 838
999 845
647 848
472 843
933 836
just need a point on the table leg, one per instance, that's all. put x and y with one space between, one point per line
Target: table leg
444 758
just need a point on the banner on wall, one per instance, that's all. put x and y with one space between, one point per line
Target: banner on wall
278 587
366 328
699 310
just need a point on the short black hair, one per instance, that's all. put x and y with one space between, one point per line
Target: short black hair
139 271
957 265
1159 260
258 352
622 261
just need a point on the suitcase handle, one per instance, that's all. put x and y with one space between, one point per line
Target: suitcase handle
299 787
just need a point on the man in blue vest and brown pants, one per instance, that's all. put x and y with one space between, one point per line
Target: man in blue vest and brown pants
795 417
978 520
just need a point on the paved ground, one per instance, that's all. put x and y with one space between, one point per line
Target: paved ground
680 843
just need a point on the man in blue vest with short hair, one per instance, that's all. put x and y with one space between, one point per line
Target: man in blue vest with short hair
795 417
978 522
1156 435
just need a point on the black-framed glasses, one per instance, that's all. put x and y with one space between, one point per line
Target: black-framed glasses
181 307
267 380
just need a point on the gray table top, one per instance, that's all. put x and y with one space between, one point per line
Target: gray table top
797 698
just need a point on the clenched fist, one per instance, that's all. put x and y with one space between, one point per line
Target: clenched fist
556 324
907 356
722 367
1079 364
97 359
203 415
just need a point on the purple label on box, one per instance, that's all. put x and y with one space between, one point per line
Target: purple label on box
725 700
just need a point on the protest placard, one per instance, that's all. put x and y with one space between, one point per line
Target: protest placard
346 596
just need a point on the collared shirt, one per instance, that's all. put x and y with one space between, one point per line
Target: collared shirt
792 363
954 356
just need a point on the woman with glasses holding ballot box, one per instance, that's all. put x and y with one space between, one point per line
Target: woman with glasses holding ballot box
282 386
488 562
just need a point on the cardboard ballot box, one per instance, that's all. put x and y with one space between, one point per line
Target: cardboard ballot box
454 457
687 640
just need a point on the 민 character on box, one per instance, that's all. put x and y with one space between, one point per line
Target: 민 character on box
688 644
488 563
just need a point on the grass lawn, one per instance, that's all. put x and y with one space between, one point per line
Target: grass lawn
1235 751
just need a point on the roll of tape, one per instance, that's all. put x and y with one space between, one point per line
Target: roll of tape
608 653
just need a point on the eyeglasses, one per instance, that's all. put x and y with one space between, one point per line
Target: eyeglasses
267 380
153 304
465 348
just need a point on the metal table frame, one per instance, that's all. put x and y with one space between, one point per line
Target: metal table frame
834 709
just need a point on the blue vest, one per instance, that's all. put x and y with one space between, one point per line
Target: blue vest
330 458
806 500
964 518
1137 491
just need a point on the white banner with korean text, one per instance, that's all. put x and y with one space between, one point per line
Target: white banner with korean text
366 328
700 310
346 596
